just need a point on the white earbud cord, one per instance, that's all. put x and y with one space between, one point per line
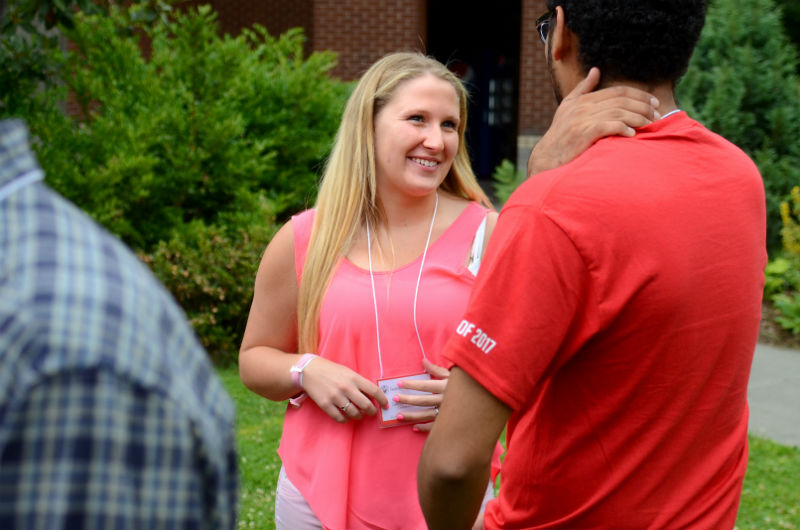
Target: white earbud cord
416 291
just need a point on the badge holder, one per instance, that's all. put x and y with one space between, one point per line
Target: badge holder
391 387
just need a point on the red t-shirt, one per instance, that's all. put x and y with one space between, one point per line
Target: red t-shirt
617 313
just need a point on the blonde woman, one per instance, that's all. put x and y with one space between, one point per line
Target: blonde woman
368 286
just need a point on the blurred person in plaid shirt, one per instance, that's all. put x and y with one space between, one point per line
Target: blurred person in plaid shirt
111 415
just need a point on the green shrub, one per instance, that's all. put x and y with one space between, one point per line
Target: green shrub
742 83
791 19
210 270
781 274
294 108
29 33
789 308
179 135
506 179
189 145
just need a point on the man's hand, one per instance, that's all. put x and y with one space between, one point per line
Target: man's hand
584 117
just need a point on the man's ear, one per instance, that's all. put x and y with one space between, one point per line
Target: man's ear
563 38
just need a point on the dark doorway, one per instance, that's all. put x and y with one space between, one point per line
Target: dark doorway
482 45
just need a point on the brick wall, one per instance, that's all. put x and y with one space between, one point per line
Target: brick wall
362 31
536 101
275 15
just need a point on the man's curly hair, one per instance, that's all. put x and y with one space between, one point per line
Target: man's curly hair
648 41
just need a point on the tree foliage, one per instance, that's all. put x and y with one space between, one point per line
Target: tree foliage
162 140
31 29
188 145
791 19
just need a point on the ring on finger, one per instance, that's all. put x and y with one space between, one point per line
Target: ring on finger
344 408
435 411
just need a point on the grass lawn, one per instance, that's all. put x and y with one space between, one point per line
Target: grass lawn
770 499
258 432
771 493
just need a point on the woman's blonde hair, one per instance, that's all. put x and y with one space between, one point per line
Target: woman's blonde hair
348 191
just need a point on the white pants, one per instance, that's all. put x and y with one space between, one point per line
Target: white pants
292 512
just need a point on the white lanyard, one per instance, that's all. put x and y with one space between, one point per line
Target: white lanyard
20 182
416 291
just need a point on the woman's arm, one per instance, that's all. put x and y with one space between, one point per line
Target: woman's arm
270 342
271 329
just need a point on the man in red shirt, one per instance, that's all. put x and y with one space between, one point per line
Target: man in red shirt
615 317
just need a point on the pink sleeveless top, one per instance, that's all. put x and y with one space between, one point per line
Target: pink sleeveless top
357 475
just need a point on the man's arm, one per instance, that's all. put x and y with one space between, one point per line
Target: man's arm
586 115
455 462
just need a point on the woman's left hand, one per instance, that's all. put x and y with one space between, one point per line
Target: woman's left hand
435 386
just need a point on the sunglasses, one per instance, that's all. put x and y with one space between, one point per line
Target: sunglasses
543 25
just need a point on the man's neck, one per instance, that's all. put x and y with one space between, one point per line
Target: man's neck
665 92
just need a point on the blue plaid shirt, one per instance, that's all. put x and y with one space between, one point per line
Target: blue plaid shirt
110 413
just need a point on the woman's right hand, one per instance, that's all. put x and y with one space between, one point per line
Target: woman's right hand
271 332
332 386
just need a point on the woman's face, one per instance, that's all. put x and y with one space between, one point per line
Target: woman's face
416 136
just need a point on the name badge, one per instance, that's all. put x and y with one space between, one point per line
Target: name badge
390 387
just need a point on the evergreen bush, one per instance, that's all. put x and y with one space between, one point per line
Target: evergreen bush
163 140
782 274
189 145
210 270
506 178
30 32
